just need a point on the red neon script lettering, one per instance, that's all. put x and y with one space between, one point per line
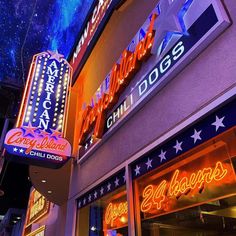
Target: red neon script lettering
121 75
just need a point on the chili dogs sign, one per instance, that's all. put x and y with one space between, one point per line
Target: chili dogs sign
174 33
39 134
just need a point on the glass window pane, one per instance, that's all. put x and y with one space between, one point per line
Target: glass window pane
107 216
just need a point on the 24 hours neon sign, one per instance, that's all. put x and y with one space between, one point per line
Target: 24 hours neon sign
182 183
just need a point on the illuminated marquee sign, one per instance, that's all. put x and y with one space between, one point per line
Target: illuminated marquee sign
205 178
90 33
175 33
116 213
40 129
38 207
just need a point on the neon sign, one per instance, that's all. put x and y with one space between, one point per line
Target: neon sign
120 76
91 31
194 24
114 211
40 129
38 207
183 184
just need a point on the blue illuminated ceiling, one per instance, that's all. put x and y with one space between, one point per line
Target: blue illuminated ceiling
31 26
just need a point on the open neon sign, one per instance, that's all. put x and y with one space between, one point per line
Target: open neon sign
114 211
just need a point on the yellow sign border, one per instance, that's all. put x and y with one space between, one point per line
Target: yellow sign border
42 228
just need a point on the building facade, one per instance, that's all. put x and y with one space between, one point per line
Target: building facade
152 123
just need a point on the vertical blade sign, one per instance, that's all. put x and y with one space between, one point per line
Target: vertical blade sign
38 138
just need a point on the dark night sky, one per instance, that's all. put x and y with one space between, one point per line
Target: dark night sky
28 27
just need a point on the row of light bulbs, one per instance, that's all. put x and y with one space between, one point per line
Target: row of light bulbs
66 80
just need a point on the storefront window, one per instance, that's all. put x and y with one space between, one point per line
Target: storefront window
107 216
192 195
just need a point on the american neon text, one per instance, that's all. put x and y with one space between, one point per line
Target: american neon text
45 99
52 71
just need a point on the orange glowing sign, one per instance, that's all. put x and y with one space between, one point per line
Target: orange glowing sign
121 75
205 176
38 207
181 183
115 212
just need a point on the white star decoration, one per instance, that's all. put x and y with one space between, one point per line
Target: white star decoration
116 182
21 150
86 146
84 202
89 198
55 55
109 187
218 123
149 163
15 149
178 146
196 135
167 21
91 140
137 170
101 190
124 178
95 194
162 156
